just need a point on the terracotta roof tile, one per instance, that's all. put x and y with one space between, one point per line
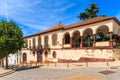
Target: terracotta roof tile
87 22
33 34
55 27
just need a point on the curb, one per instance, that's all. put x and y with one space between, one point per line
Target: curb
7 73
75 67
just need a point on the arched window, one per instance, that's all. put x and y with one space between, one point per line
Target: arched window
88 37
46 42
39 43
24 57
54 54
76 39
34 43
67 38
33 52
102 33
54 39
26 43
30 44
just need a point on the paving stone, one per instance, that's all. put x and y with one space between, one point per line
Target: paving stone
51 74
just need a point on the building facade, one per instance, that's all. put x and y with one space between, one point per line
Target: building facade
95 39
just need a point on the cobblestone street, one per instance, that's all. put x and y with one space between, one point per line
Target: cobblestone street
51 74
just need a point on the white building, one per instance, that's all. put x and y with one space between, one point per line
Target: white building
95 39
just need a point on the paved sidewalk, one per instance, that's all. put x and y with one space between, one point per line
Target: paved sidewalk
52 74
49 71
4 72
81 65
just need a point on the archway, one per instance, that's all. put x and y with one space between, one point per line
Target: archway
67 38
76 39
39 56
102 33
24 57
88 37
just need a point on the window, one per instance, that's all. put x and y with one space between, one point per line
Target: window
76 39
39 42
46 41
33 53
67 38
54 39
25 43
24 57
54 54
30 44
34 43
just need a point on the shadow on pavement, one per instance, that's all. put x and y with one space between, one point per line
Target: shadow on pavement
20 68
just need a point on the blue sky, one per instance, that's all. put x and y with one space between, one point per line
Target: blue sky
37 15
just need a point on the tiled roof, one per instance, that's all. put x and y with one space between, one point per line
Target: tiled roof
33 34
53 28
78 24
88 21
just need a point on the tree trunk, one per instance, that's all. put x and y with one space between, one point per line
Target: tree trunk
2 62
6 62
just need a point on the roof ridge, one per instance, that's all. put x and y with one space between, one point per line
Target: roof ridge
91 20
56 26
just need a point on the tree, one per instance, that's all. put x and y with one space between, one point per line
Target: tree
88 40
100 36
90 12
11 39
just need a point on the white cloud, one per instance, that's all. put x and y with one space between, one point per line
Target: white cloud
38 14
37 27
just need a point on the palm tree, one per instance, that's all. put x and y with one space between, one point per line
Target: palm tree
83 16
90 12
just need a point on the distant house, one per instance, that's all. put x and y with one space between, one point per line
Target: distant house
94 39
14 59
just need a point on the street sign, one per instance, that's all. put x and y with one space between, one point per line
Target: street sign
38 52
